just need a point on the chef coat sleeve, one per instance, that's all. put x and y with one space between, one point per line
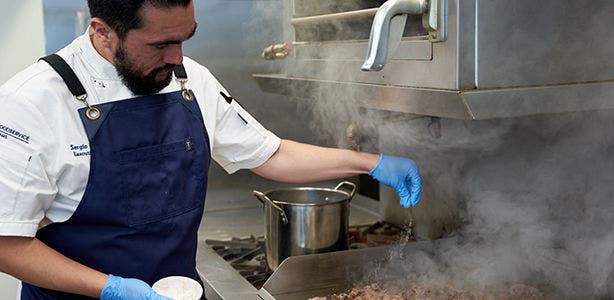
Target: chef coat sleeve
240 141
25 188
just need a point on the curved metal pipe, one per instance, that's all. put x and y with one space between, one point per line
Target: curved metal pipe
378 41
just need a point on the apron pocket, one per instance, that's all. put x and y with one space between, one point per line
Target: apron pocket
159 181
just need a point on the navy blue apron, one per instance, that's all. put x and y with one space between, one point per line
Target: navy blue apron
145 194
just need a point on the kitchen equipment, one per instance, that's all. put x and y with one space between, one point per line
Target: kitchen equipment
306 276
305 220
401 265
455 59
246 255
178 288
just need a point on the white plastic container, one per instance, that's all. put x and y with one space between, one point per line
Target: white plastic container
179 288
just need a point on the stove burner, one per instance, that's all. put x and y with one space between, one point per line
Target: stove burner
247 255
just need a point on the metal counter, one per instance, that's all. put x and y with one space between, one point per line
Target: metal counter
220 279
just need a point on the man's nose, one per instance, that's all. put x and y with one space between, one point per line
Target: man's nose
173 55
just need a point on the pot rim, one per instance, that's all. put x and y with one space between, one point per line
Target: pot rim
348 197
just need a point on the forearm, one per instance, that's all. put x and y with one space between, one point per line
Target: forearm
298 163
32 261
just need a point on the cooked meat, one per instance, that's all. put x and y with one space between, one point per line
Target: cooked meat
374 291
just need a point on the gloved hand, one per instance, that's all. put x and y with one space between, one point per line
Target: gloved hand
128 288
402 174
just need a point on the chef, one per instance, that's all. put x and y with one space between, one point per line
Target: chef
104 152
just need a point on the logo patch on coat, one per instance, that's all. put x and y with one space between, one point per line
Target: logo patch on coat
8 132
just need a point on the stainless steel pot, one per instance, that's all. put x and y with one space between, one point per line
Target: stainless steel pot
305 220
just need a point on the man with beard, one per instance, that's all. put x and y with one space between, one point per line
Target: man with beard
105 149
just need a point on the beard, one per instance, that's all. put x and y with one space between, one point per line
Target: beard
134 79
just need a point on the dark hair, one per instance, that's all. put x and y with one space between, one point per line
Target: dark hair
124 15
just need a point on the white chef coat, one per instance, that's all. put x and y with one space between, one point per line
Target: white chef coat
44 149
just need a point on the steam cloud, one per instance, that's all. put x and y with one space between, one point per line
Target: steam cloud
530 197
534 202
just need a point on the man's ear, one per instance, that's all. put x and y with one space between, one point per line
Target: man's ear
103 33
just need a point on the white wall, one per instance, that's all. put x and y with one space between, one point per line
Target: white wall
22 35
22 39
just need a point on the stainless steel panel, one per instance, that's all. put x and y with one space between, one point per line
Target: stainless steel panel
465 50
443 103
470 104
302 277
303 8
406 73
501 59
407 50
412 65
350 15
220 279
529 43
501 103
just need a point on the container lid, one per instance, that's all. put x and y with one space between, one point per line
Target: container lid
178 288
307 196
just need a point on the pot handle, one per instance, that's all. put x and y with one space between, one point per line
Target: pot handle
264 199
352 193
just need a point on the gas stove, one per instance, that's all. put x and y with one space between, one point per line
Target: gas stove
247 254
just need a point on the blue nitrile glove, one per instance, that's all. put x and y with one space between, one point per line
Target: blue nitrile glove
402 174
128 289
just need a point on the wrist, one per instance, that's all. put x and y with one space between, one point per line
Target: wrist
370 162
110 286
374 163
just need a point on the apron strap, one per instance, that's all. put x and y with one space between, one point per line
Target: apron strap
67 74
180 72
73 83
76 88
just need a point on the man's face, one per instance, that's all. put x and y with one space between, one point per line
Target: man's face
146 56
